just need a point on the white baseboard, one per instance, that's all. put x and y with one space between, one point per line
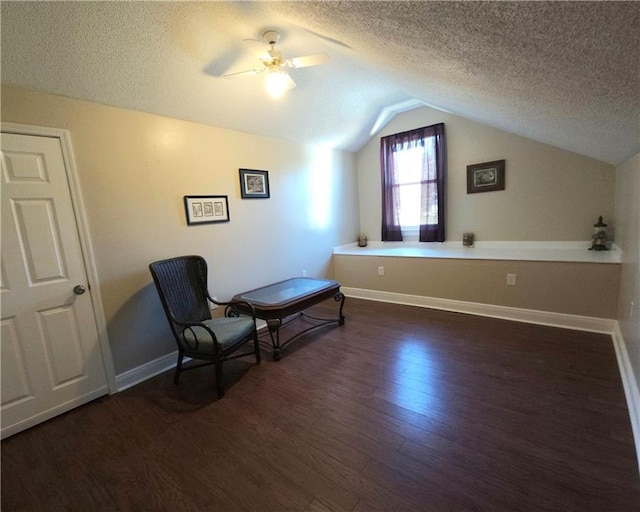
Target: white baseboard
630 384
143 372
531 316
575 322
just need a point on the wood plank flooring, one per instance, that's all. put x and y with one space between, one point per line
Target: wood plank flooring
401 409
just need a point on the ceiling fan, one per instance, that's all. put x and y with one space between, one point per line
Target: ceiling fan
278 81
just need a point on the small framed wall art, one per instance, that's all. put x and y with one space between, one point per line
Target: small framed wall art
254 184
485 177
206 209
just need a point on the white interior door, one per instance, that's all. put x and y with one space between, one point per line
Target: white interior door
51 357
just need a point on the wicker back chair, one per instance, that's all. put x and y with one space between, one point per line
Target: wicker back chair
182 286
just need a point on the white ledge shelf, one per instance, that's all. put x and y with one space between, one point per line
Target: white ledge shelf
521 251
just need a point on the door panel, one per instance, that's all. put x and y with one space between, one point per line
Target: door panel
21 167
51 358
64 360
15 382
39 239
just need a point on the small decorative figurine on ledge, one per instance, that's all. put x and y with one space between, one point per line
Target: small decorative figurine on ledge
362 241
468 239
599 237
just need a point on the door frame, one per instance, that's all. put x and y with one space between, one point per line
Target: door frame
83 234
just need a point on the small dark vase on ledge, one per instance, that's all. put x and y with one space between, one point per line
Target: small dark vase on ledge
599 237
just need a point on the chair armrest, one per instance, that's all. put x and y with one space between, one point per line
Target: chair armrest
188 326
233 307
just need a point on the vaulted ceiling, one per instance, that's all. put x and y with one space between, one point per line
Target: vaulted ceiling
563 73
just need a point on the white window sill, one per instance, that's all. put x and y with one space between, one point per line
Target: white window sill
524 251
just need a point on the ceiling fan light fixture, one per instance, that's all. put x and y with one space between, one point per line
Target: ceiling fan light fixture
276 80
276 83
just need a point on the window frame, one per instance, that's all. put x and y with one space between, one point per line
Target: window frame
433 170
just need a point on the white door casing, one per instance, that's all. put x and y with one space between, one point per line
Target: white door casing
52 354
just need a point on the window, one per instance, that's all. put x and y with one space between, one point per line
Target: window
413 174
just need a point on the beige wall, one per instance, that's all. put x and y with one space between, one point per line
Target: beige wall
550 194
628 238
587 289
134 170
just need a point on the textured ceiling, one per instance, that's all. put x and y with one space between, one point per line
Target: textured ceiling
564 73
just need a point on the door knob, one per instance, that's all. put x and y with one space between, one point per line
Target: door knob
79 289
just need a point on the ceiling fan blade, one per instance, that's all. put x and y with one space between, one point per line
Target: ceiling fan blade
247 72
254 44
308 60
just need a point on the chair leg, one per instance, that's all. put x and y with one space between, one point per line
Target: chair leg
256 346
219 378
176 375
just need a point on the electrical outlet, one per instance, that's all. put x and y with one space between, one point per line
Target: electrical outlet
511 279
380 271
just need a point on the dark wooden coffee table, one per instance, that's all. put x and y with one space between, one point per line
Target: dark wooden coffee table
288 300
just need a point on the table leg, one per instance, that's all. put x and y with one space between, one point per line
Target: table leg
274 327
340 297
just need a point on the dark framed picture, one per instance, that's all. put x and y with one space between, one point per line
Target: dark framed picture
485 177
206 209
254 184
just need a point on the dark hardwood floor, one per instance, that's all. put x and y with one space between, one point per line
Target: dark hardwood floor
400 409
